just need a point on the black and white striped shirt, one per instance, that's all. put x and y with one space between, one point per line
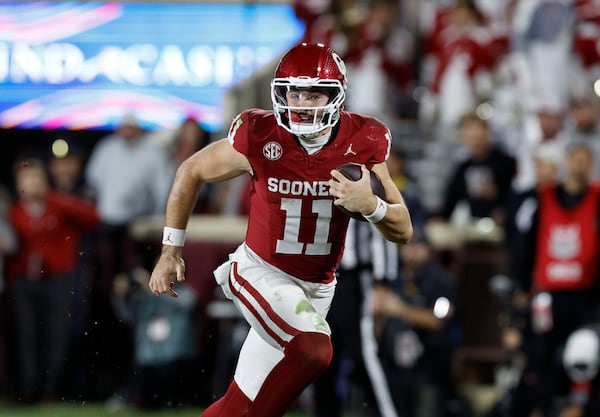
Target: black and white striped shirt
367 249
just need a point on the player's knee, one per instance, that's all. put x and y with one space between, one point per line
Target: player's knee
314 348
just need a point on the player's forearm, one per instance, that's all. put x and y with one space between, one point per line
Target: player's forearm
396 226
423 319
417 316
182 197
180 203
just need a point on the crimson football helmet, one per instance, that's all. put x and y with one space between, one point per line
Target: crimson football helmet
309 67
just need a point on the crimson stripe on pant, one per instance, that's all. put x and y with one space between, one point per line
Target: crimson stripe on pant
263 303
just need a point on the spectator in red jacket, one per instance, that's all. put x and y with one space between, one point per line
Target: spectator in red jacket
48 226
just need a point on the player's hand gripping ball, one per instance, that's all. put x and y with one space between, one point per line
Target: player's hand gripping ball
352 171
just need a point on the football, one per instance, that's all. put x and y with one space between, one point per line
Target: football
352 171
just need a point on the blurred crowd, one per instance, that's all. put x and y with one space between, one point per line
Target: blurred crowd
78 320
505 98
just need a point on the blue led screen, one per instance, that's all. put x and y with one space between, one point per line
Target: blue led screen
82 65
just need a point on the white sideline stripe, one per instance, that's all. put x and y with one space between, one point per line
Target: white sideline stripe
381 389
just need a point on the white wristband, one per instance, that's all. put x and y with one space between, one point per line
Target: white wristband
379 212
173 237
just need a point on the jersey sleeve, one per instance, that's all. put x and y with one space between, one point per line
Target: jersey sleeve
381 136
386 147
238 132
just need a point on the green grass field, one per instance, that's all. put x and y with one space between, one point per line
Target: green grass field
96 410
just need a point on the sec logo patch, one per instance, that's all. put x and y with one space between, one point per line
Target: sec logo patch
272 151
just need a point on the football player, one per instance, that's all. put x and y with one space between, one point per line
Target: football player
282 278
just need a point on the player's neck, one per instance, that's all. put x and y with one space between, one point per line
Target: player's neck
313 145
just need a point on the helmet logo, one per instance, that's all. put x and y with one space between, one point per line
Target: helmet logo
272 151
340 63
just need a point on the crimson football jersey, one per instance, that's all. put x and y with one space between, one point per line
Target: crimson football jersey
293 223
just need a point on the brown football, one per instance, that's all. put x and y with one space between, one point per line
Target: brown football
352 171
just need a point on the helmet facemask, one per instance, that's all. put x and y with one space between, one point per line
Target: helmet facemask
322 117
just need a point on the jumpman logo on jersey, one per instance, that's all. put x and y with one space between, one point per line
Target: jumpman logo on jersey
349 151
